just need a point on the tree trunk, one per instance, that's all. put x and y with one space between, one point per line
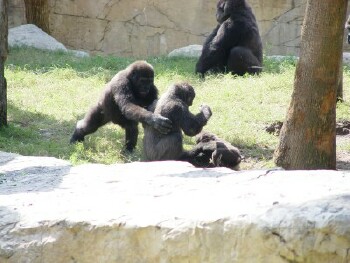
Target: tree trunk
3 56
37 13
307 139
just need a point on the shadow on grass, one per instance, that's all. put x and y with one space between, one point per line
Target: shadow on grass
37 134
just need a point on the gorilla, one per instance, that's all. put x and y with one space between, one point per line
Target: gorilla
235 44
347 26
124 102
211 151
174 105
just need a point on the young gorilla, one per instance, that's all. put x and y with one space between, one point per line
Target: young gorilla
174 105
123 102
235 44
211 151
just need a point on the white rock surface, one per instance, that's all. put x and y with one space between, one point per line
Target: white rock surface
169 212
188 51
31 36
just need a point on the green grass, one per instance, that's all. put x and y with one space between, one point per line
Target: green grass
49 91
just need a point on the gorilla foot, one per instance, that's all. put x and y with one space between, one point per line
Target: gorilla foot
76 138
127 150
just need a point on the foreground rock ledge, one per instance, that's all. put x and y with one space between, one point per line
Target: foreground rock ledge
169 212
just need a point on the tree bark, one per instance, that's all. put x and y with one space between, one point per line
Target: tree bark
307 139
37 13
3 56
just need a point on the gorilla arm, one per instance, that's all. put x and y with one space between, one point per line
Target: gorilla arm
134 112
193 124
217 47
205 60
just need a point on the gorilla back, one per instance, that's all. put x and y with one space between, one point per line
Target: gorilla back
174 105
235 44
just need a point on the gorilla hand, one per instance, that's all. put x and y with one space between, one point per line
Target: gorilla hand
205 109
161 124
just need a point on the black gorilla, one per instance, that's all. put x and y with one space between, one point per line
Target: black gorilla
123 102
347 26
174 105
235 44
211 151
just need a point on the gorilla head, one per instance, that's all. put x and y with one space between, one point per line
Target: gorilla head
142 78
184 92
225 7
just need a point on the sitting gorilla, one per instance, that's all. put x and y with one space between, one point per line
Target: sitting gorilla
235 44
211 151
347 26
123 102
174 105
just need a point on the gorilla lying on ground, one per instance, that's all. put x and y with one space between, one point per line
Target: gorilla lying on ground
235 44
123 102
211 151
174 105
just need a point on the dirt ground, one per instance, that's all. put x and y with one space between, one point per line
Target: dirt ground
343 138
343 157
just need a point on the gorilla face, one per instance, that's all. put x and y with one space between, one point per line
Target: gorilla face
226 7
144 85
221 15
143 81
184 92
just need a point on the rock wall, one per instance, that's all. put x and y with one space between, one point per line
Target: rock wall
169 212
142 28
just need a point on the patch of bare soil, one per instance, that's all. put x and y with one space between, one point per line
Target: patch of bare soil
343 138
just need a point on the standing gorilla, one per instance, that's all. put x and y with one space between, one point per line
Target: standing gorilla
123 102
235 44
174 104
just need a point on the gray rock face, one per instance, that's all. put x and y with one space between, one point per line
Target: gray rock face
189 51
169 212
31 36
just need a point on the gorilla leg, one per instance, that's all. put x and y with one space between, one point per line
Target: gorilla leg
166 147
242 60
91 122
131 134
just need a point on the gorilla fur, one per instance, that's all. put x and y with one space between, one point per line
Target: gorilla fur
211 151
124 102
235 44
174 105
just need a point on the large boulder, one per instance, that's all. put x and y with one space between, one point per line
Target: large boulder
31 36
193 51
169 212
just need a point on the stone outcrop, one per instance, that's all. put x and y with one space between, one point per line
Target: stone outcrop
31 36
193 51
142 28
169 212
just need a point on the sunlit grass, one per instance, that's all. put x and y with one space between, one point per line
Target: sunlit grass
49 91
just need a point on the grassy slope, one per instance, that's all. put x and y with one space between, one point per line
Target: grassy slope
49 92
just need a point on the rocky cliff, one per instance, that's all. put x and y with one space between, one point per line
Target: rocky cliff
142 28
